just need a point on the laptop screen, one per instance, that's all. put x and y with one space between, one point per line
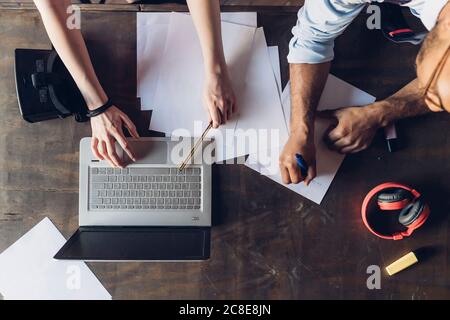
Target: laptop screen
137 243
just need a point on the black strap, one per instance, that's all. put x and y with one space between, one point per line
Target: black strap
100 110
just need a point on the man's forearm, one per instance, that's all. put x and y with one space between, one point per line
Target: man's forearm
71 48
408 102
307 83
206 16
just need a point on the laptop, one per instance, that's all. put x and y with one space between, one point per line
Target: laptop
147 211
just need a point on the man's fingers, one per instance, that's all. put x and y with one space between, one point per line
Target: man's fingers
124 144
343 144
334 135
111 148
311 174
94 148
349 148
285 175
130 126
355 148
336 141
295 174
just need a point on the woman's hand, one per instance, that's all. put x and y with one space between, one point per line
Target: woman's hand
107 128
219 98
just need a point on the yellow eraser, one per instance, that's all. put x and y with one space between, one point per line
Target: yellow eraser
401 264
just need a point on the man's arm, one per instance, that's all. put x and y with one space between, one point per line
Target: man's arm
219 96
356 126
307 83
311 50
407 102
106 128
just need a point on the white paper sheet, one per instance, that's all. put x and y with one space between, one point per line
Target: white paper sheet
152 28
248 19
260 105
274 55
28 270
337 94
151 38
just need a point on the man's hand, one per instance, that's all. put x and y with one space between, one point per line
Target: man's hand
219 98
106 130
303 145
355 128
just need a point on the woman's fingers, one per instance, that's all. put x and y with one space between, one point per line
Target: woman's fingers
111 149
107 128
104 152
118 135
130 126
221 106
215 116
235 105
94 148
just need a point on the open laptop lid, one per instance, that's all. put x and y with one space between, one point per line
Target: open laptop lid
137 244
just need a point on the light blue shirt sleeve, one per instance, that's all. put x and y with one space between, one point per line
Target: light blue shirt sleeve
319 23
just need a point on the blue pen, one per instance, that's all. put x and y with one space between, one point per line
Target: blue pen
302 164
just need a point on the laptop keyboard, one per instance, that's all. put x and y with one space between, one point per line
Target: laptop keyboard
144 189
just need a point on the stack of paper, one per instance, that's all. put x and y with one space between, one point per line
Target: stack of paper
29 272
171 80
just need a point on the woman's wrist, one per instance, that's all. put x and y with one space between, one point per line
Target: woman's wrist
95 98
100 110
216 67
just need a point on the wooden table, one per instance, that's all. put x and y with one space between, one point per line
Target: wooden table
269 243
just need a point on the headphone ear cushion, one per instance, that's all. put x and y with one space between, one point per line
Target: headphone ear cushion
394 196
411 212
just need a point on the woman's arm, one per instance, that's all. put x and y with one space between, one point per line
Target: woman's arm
219 96
106 128
72 50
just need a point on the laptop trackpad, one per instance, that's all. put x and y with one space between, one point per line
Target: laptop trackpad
147 152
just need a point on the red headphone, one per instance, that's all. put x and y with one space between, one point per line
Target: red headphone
395 196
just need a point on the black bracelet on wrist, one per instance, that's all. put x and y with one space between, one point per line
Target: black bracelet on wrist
100 110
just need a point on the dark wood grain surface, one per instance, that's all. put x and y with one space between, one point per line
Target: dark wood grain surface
269 243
